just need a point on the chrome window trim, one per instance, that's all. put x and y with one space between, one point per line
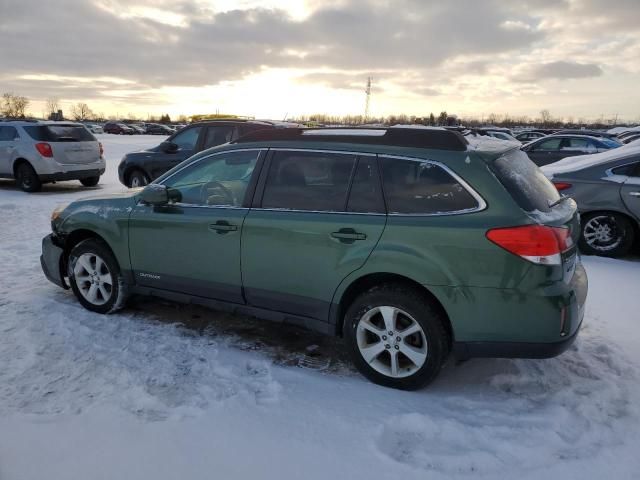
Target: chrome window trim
194 205
317 150
482 204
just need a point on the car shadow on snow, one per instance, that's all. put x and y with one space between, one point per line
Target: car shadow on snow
70 186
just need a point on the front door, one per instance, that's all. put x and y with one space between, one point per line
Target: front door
192 246
186 141
630 191
545 152
305 234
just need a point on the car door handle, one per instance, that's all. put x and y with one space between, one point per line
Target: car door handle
223 227
348 235
634 194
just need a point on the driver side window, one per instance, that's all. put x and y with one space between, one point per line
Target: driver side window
219 180
186 140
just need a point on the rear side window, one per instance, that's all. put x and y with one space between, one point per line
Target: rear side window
314 181
576 144
420 187
526 183
631 170
219 135
8 134
60 133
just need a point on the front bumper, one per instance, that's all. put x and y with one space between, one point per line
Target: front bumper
51 263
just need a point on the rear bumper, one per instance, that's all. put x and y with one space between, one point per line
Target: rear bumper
50 262
465 350
72 175
540 324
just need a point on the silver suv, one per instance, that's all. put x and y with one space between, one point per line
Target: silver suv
35 152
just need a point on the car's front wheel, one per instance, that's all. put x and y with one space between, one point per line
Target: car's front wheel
396 337
137 178
90 181
607 234
95 277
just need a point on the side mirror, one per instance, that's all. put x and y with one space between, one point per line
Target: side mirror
169 147
155 194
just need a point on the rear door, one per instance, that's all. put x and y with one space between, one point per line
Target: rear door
186 140
305 233
573 146
630 191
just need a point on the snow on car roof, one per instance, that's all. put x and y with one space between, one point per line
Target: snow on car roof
580 162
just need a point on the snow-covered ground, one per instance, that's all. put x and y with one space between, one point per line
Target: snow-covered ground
161 391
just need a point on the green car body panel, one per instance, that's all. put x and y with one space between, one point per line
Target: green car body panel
287 261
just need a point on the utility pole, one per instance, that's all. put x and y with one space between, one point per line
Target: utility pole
368 98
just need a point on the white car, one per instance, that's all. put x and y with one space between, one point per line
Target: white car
34 152
93 128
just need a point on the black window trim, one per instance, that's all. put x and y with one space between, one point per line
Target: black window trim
246 202
481 203
256 204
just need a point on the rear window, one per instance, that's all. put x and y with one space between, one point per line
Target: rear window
60 133
421 187
526 183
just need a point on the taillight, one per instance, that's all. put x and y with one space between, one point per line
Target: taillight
101 149
539 244
44 149
562 185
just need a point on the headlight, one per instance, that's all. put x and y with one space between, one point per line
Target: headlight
58 211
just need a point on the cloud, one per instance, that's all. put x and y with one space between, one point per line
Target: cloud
561 70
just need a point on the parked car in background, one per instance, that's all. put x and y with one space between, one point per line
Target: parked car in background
33 153
591 133
94 128
552 148
630 138
158 129
527 136
137 129
139 168
118 128
352 232
606 187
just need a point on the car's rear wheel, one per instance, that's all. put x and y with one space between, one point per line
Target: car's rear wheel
396 337
90 181
27 178
137 178
95 278
607 234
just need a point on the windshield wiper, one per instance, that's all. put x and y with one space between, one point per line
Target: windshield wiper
559 201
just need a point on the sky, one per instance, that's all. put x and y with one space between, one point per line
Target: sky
285 58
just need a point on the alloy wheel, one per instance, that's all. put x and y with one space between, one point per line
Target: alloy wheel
391 341
602 233
93 278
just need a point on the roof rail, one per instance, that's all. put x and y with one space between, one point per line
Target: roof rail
439 139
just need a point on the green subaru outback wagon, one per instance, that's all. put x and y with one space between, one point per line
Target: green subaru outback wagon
410 243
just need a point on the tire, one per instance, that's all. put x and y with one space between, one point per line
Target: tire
27 178
428 345
606 234
95 277
137 178
90 181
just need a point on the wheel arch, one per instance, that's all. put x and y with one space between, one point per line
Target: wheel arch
368 281
17 162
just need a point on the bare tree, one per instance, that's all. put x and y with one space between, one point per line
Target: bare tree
13 106
545 117
81 112
53 105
